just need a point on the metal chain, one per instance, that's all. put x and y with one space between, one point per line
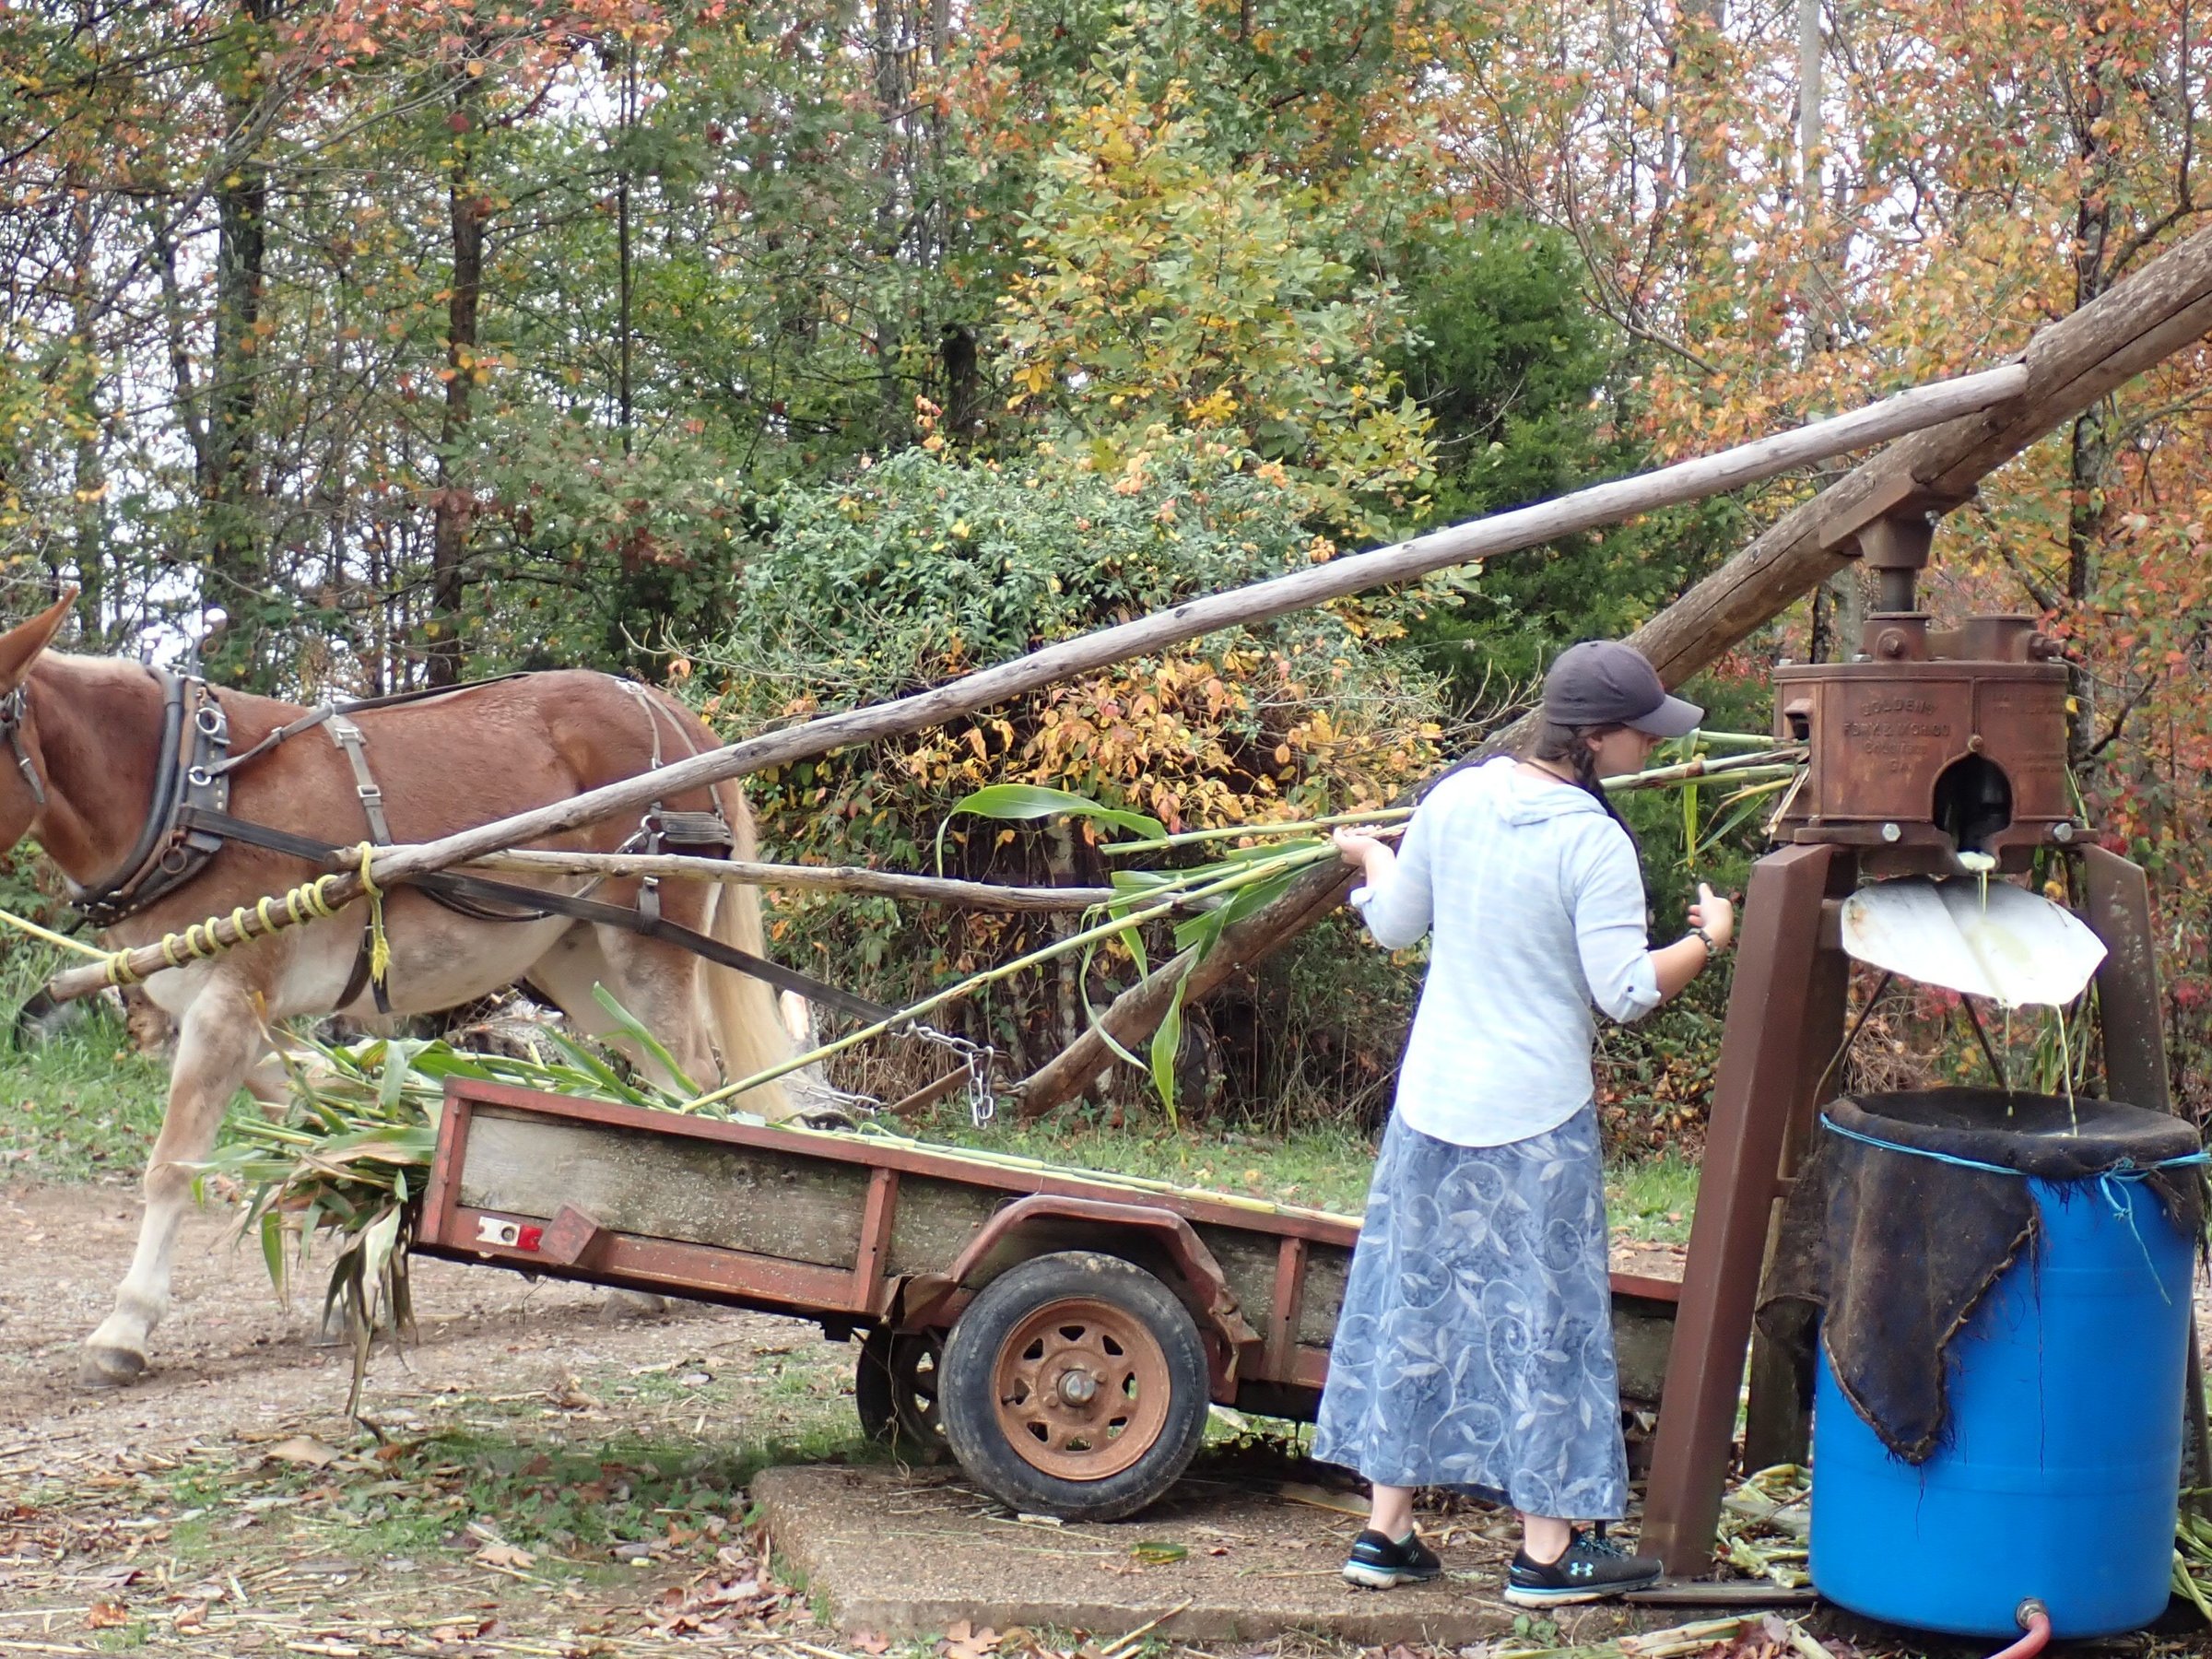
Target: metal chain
983 1104
976 1059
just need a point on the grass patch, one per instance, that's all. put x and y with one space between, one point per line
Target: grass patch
81 1102
1327 1169
1653 1198
81 1105
1322 1168
586 1498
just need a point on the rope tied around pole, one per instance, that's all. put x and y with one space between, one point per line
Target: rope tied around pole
310 901
380 947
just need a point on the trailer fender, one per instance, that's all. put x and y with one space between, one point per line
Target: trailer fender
1044 1222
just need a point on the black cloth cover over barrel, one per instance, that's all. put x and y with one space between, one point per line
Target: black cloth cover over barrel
1888 1254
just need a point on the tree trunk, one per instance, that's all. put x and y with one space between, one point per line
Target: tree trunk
2088 453
87 469
454 500
892 91
237 573
2091 447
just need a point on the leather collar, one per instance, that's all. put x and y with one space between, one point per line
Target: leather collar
196 737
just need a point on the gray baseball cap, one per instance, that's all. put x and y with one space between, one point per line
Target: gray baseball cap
1603 682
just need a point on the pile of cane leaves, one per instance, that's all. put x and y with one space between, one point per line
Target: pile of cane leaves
1766 1523
351 1155
2193 1552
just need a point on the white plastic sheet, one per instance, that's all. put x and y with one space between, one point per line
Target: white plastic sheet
2001 942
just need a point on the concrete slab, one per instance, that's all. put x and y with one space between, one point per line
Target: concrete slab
909 1552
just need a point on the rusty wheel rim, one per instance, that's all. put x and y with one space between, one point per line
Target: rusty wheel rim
1081 1388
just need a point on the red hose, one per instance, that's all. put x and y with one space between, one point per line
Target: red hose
2036 1620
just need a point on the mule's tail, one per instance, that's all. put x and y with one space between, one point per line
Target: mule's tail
747 1030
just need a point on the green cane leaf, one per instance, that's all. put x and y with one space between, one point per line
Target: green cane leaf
644 1038
1167 1041
271 1247
1023 801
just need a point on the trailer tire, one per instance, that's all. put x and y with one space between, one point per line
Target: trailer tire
1075 1385
895 1392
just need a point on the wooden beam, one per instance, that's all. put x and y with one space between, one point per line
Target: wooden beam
1406 561
891 884
2164 308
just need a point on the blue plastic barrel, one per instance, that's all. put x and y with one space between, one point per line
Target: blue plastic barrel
2059 1471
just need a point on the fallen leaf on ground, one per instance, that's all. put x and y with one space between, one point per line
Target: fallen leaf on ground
300 1449
504 1555
105 1615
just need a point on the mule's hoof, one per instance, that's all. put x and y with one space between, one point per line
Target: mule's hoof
103 1367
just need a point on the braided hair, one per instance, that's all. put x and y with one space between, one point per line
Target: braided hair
1553 741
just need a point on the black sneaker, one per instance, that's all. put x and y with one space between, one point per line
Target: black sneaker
1592 1567
1376 1563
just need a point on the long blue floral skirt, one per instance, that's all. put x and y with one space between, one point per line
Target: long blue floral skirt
1474 1347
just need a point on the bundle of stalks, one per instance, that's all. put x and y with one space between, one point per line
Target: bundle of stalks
352 1154
1254 864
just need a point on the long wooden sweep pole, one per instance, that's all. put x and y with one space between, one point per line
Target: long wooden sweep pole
1910 411
817 878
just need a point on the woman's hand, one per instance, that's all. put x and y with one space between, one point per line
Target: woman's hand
1714 916
1364 853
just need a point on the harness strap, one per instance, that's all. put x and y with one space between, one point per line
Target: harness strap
326 710
99 895
15 708
347 736
536 903
649 889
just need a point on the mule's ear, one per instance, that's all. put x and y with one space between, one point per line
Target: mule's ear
20 645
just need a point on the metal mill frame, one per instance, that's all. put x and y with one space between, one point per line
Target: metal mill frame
1784 1026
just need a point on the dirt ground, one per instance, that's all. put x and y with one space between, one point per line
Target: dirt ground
536 1480
218 1507
227 1505
232 1358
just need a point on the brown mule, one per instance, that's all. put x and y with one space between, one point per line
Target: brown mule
91 736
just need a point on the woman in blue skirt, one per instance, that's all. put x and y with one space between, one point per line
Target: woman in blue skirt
1474 1347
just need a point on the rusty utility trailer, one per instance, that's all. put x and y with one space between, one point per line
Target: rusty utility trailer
1061 1334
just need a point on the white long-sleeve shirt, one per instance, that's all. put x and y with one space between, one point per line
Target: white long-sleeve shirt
1534 895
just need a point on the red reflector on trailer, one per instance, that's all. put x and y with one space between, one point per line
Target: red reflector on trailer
512 1235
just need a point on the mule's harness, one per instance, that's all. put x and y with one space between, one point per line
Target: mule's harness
14 709
189 822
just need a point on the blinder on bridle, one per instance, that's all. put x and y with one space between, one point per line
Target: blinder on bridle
15 708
